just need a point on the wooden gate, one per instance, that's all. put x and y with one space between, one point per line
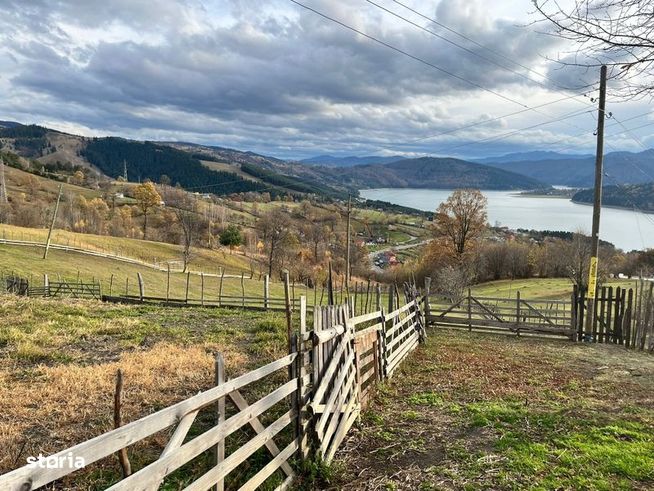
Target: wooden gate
335 402
551 317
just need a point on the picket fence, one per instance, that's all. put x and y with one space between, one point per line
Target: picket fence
307 401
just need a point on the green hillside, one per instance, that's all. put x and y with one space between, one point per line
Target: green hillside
429 173
639 196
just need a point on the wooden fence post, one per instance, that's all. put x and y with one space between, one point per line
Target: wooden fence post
127 286
469 310
220 288
168 283
517 312
303 391
46 285
289 318
202 289
427 306
266 291
242 290
188 280
378 297
219 450
111 284
123 458
141 286
383 357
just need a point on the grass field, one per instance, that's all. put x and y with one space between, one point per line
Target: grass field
472 411
142 250
58 361
29 262
536 288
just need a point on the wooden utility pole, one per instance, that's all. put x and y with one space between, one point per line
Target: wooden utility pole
3 185
347 251
597 205
54 219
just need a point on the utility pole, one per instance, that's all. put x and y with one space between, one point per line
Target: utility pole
3 185
347 252
597 205
54 218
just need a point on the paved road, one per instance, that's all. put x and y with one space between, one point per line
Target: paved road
399 247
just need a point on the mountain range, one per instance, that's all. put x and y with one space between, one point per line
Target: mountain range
351 161
225 170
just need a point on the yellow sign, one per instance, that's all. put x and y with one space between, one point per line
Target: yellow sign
592 277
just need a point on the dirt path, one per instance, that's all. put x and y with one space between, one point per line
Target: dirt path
471 411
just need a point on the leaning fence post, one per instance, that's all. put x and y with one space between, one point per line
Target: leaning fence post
219 450
141 287
123 458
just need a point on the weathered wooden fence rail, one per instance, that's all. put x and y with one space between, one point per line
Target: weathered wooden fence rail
624 316
551 317
309 399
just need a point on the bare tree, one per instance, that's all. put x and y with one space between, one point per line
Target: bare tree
276 229
191 222
616 33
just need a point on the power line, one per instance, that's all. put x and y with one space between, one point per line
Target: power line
405 53
514 132
453 43
494 52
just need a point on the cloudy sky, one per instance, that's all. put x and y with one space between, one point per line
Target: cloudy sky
273 77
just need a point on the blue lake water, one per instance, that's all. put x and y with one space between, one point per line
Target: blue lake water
626 229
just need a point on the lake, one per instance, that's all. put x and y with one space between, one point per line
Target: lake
626 229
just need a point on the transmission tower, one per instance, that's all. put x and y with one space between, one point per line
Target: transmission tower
125 170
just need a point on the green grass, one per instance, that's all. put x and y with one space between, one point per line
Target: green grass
58 360
536 288
473 411
29 262
147 251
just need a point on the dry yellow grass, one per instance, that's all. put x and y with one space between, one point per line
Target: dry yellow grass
59 359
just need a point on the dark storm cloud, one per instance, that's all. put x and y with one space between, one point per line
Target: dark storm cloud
249 71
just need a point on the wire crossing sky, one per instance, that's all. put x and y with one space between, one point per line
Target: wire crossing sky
295 79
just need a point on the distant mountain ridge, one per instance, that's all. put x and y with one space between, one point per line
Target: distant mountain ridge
351 161
623 167
535 155
434 173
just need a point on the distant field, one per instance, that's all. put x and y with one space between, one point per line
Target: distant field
148 251
29 262
536 288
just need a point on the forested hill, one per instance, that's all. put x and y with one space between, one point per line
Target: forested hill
639 196
436 173
146 160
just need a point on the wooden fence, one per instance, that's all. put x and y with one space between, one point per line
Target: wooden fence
624 316
551 317
307 399
67 289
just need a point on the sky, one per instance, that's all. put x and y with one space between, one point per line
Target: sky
279 79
